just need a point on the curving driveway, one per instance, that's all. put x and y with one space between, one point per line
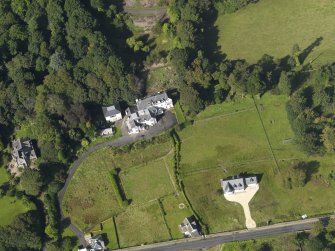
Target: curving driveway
168 121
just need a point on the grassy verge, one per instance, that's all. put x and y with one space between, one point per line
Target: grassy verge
273 27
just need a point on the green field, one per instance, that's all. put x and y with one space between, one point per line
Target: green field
85 199
141 225
274 26
11 207
147 182
235 142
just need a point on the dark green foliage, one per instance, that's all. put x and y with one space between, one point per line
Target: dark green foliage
23 234
123 202
310 108
31 181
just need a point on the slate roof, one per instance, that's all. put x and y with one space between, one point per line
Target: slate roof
97 243
111 110
151 101
23 151
237 183
232 184
189 225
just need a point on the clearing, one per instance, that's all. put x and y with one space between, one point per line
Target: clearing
273 27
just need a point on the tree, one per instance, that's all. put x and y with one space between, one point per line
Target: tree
285 84
24 233
296 54
190 100
31 182
186 32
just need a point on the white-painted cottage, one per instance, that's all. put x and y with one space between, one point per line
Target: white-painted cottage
112 113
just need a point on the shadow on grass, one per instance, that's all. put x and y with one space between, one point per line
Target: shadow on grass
304 54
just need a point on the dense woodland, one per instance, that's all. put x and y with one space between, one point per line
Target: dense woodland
60 60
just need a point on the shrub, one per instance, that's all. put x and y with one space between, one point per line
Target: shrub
123 202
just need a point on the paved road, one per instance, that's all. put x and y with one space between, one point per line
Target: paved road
216 239
168 121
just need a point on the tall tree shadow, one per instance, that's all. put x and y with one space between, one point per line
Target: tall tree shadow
211 35
304 54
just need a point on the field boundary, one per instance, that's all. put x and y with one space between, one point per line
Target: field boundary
223 115
266 135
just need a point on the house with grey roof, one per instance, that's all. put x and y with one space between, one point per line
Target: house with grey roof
146 112
189 227
237 184
23 152
96 243
112 113
159 100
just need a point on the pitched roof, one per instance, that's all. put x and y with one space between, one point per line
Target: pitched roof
189 225
111 110
151 101
237 183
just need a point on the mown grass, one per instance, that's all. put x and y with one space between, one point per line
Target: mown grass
179 113
141 225
147 182
108 228
10 207
273 27
234 143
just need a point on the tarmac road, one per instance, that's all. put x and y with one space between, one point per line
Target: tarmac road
216 239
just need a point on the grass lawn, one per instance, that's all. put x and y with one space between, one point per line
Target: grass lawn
273 27
108 231
147 182
231 143
11 207
179 113
175 215
141 225
3 175
90 198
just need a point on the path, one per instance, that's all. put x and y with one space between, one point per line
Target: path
243 199
217 239
168 121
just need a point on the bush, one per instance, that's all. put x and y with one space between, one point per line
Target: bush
123 202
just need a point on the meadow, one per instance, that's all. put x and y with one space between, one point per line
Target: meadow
243 139
273 27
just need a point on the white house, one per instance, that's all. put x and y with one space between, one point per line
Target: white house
237 184
159 100
112 113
